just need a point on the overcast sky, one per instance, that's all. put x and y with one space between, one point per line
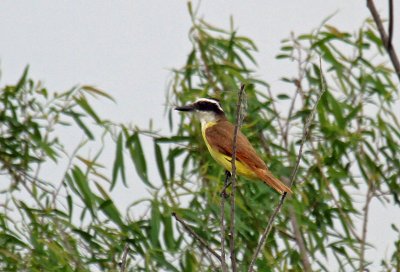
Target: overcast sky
128 47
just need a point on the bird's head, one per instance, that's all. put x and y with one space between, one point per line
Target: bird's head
206 109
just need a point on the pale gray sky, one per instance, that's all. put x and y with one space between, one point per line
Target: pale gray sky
127 47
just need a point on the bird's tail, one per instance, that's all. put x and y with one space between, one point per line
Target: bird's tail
266 176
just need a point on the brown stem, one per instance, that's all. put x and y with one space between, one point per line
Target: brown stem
390 24
296 229
299 241
384 37
122 262
233 180
224 267
196 236
266 232
369 196
306 132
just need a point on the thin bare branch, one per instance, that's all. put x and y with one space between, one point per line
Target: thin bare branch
122 262
224 267
390 24
233 180
368 199
266 233
285 132
306 132
196 236
384 37
299 241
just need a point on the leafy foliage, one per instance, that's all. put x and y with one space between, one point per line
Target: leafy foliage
72 224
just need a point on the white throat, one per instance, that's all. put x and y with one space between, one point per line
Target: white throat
206 117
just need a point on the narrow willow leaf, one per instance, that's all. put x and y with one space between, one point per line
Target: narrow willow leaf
48 149
155 222
82 184
138 159
118 167
11 239
172 139
22 80
70 206
160 162
336 109
82 125
110 210
97 91
168 232
283 96
171 162
84 104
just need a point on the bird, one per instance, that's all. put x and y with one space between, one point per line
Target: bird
218 135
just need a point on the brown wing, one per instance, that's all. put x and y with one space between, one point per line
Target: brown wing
221 137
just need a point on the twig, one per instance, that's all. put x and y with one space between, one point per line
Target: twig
369 196
224 267
122 262
266 233
390 24
196 236
299 241
384 37
306 131
233 180
296 229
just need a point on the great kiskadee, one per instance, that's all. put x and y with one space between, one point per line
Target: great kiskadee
218 135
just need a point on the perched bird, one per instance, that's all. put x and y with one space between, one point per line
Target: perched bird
218 135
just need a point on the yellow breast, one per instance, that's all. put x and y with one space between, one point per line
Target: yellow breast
224 160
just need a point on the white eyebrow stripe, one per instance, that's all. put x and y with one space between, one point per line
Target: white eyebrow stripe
211 101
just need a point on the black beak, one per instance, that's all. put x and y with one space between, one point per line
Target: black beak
185 108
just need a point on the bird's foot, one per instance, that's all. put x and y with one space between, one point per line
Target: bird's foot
227 183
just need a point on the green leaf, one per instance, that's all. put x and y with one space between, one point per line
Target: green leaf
86 194
353 113
160 162
172 139
191 262
155 224
171 162
336 109
97 91
48 149
84 104
7 239
22 80
283 56
283 96
70 206
168 232
138 159
118 167
110 210
81 124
